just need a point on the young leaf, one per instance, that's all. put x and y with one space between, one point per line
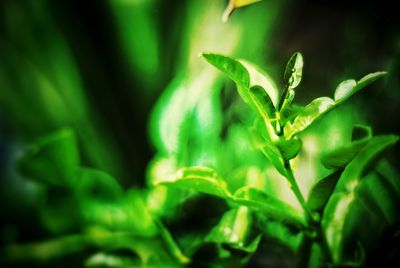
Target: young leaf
310 113
322 105
288 100
201 179
344 89
274 208
52 159
263 102
294 70
289 148
321 191
235 71
259 78
350 87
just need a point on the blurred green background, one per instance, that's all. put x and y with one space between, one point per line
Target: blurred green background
108 69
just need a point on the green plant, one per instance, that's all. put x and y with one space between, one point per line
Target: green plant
343 215
331 219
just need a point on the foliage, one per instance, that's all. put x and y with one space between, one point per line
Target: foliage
229 178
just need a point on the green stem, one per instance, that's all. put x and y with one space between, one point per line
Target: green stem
312 224
296 190
324 244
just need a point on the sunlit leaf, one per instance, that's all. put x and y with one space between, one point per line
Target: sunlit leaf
307 116
260 78
234 70
201 179
322 105
272 207
263 102
52 159
350 87
344 89
294 70
288 100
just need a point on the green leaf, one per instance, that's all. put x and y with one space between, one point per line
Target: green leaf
321 191
358 218
354 212
172 245
263 103
289 148
201 179
270 151
344 89
52 159
95 184
349 87
294 70
308 115
364 160
259 78
272 207
232 229
340 157
235 71
288 101
322 105
289 113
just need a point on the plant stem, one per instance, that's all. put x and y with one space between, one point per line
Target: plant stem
324 244
312 224
296 190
